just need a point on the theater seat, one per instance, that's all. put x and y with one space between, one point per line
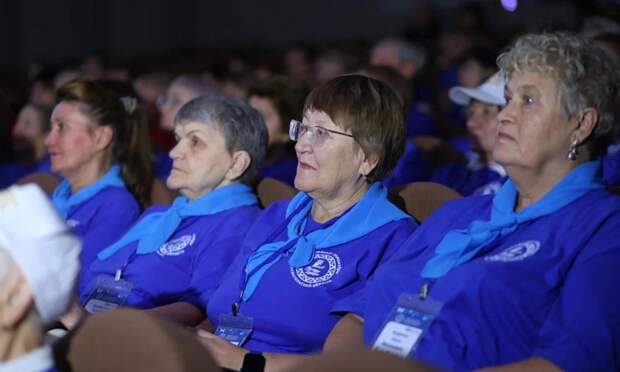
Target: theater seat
270 190
133 340
421 199
46 181
438 151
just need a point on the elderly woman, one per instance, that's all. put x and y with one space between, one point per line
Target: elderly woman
98 143
176 254
303 255
182 89
522 280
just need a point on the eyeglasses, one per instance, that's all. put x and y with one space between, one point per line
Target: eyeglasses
318 135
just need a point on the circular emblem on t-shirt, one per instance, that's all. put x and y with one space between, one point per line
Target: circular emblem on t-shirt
176 246
517 252
319 272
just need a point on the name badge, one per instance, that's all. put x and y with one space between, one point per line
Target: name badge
109 293
406 324
235 328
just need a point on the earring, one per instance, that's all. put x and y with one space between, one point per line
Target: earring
572 150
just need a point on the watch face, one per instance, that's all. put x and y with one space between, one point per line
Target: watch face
253 362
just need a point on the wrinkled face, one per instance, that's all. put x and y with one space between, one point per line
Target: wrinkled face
175 98
72 140
266 108
482 125
327 170
200 160
532 132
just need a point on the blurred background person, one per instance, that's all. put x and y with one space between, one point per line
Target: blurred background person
480 174
278 100
38 268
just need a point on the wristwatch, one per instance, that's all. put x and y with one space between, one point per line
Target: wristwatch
253 362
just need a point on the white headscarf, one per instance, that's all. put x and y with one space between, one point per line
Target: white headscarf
42 245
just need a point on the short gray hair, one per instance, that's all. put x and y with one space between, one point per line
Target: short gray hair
407 52
243 127
584 73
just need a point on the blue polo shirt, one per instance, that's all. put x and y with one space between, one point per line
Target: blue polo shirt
472 177
611 165
184 269
547 290
413 166
291 306
102 220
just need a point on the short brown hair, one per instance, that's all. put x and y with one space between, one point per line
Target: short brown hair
371 110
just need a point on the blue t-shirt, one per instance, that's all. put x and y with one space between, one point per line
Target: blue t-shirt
419 121
283 170
102 220
547 290
187 267
611 165
413 166
472 177
291 306
13 172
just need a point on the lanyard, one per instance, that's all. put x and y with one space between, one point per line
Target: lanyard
119 272
286 250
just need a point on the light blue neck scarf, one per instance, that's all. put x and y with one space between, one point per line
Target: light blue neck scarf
63 200
462 245
371 212
156 228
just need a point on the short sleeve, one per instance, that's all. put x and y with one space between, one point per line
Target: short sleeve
582 330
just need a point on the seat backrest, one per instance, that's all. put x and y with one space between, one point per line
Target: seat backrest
438 151
270 190
47 182
421 199
134 340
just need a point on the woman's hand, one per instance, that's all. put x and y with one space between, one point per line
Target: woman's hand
225 354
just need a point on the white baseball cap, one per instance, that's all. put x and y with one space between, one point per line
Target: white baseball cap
491 91
42 246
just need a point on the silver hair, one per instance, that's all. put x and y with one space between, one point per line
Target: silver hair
407 52
243 127
584 73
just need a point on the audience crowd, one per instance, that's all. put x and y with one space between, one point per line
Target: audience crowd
159 175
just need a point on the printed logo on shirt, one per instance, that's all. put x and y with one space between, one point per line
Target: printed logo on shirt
177 246
517 252
73 223
323 268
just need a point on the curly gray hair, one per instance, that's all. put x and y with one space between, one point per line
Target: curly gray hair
584 73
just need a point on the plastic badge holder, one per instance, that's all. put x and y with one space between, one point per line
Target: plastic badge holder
235 328
108 294
406 324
